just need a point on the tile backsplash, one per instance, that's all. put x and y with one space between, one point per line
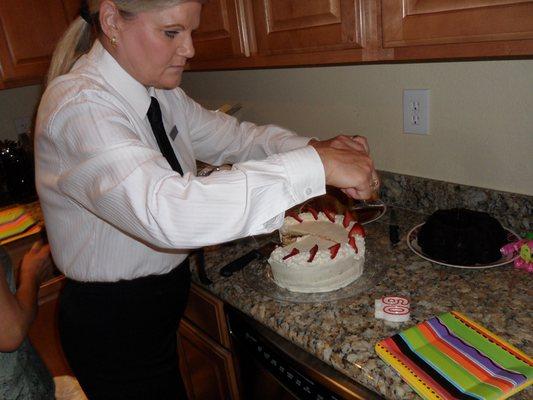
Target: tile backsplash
15 104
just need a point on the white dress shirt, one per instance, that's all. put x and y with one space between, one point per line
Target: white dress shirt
113 207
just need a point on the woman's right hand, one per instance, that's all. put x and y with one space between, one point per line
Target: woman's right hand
347 165
36 263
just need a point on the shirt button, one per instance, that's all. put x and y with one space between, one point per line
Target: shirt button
308 191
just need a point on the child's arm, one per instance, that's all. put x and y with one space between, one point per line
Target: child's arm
18 311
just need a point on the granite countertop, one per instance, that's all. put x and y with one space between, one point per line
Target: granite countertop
343 332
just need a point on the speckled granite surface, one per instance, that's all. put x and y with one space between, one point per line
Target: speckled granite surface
343 333
514 211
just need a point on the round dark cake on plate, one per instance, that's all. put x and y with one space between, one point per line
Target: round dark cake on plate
462 237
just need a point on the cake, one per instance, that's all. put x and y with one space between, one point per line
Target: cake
462 237
320 252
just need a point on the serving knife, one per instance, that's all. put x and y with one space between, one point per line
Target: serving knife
262 252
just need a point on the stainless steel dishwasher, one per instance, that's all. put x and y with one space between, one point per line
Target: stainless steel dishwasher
271 367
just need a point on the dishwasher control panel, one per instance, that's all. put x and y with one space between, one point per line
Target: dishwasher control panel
259 354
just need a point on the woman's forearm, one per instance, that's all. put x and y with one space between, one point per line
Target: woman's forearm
27 299
16 313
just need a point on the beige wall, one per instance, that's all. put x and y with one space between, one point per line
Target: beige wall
481 129
481 122
16 103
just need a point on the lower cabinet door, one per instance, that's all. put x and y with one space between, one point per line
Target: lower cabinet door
207 368
44 334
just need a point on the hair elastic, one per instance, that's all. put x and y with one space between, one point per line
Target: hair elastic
85 13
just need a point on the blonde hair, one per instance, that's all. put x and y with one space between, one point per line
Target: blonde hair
80 35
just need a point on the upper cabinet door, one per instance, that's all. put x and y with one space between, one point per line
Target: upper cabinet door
299 26
29 31
72 7
442 22
221 34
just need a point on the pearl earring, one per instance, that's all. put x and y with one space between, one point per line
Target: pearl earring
114 41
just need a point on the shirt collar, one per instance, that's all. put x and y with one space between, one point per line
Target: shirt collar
130 89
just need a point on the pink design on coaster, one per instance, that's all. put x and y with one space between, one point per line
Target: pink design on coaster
392 308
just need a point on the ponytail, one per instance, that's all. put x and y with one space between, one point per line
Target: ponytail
75 42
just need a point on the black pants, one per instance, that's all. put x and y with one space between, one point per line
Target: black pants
120 338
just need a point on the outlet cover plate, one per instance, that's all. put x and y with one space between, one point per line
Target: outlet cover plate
416 111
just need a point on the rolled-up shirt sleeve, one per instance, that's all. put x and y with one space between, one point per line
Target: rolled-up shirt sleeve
108 170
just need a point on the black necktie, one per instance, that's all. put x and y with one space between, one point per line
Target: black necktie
156 121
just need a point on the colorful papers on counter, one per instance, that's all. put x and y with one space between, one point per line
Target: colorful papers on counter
15 221
452 357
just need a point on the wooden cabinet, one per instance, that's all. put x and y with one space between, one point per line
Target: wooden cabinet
206 361
29 31
44 334
450 29
207 367
206 312
72 9
273 33
289 32
283 26
311 32
223 31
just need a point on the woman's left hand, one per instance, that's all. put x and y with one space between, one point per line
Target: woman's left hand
375 182
37 263
348 165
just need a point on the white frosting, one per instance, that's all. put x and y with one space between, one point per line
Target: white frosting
323 274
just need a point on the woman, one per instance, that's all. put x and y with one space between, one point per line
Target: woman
23 376
116 145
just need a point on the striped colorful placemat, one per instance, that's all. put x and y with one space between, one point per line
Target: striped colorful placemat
452 357
14 221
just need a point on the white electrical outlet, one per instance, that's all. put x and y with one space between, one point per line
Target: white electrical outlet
22 125
416 111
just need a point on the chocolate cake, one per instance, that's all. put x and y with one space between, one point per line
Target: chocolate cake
462 237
